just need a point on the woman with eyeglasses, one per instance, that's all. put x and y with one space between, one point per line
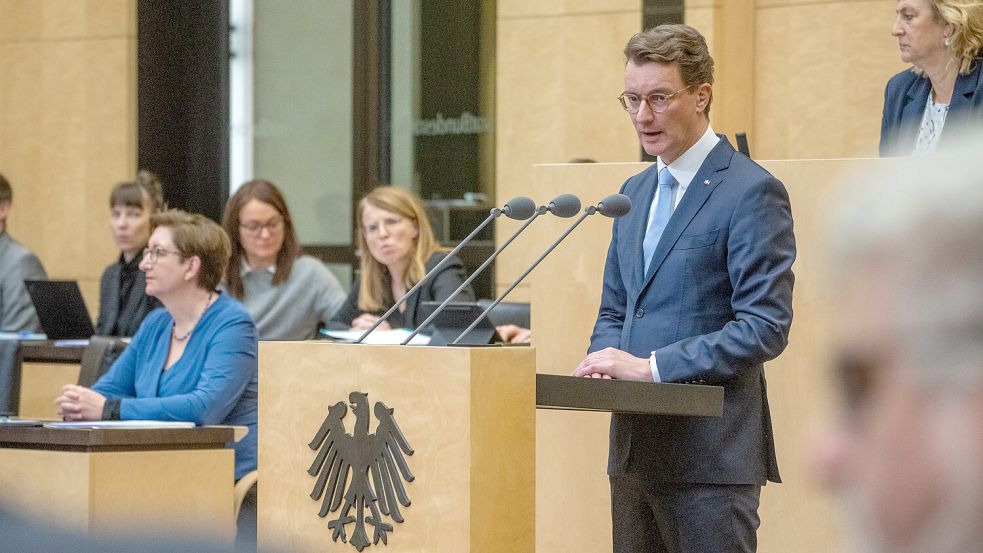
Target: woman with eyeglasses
288 295
123 302
397 248
943 41
194 360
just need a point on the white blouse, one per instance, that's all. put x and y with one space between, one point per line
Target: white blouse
931 129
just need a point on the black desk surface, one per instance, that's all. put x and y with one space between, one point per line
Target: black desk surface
624 396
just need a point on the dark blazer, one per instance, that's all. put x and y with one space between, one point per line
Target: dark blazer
135 307
904 104
439 288
715 304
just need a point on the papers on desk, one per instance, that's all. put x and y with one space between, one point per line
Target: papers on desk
13 421
22 336
384 337
71 343
119 424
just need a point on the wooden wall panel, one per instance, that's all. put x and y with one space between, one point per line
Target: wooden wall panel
557 83
67 127
553 8
820 71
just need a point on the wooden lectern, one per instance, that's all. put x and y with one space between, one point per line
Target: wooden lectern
467 413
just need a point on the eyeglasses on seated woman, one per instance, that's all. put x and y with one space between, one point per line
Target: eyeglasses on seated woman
193 360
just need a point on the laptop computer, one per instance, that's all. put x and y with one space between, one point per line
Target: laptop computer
452 321
60 309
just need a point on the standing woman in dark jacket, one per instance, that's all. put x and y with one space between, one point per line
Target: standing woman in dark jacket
397 247
943 40
123 302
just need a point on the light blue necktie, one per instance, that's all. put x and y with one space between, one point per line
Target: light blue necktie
663 210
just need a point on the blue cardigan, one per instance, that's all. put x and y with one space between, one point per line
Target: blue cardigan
904 103
214 381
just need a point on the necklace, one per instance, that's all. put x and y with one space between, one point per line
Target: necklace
188 334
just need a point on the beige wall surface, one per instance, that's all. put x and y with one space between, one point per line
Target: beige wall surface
67 127
804 78
558 77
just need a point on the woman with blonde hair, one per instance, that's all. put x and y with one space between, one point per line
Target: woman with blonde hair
397 247
943 40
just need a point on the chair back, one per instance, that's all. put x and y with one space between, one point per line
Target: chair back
98 356
9 377
507 312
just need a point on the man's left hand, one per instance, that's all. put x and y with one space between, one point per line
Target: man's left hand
614 363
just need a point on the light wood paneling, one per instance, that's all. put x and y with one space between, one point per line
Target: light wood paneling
820 72
40 384
67 127
571 448
468 413
33 20
554 8
557 84
181 492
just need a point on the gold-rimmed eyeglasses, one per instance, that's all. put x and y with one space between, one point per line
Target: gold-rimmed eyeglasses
255 228
658 103
153 255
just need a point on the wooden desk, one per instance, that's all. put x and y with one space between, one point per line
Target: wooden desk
110 481
45 368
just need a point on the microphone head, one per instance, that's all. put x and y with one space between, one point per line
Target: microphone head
614 206
565 205
519 208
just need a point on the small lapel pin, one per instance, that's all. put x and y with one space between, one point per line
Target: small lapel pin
707 182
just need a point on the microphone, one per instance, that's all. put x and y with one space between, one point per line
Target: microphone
614 206
564 205
519 208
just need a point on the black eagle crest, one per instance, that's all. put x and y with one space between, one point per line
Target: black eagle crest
360 454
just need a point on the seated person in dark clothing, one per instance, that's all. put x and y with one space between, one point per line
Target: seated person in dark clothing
123 301
398 247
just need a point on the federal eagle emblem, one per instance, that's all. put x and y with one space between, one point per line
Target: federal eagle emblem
360 454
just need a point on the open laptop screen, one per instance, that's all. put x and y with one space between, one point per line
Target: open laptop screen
60 309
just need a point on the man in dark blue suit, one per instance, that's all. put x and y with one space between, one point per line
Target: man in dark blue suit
697 289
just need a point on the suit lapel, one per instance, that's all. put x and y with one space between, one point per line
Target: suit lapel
913 110
966 85
696 195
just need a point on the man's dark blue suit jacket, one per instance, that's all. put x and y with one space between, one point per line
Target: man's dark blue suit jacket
714 304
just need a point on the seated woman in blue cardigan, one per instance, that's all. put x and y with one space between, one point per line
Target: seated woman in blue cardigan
194 359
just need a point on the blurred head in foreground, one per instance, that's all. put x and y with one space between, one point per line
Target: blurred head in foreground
905 453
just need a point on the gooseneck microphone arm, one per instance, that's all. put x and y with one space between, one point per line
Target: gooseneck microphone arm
564 205
519 208
613 206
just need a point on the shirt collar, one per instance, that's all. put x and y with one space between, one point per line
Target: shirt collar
684 168
247 269
133 264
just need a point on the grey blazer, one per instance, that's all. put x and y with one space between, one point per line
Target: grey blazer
135 307
17 264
